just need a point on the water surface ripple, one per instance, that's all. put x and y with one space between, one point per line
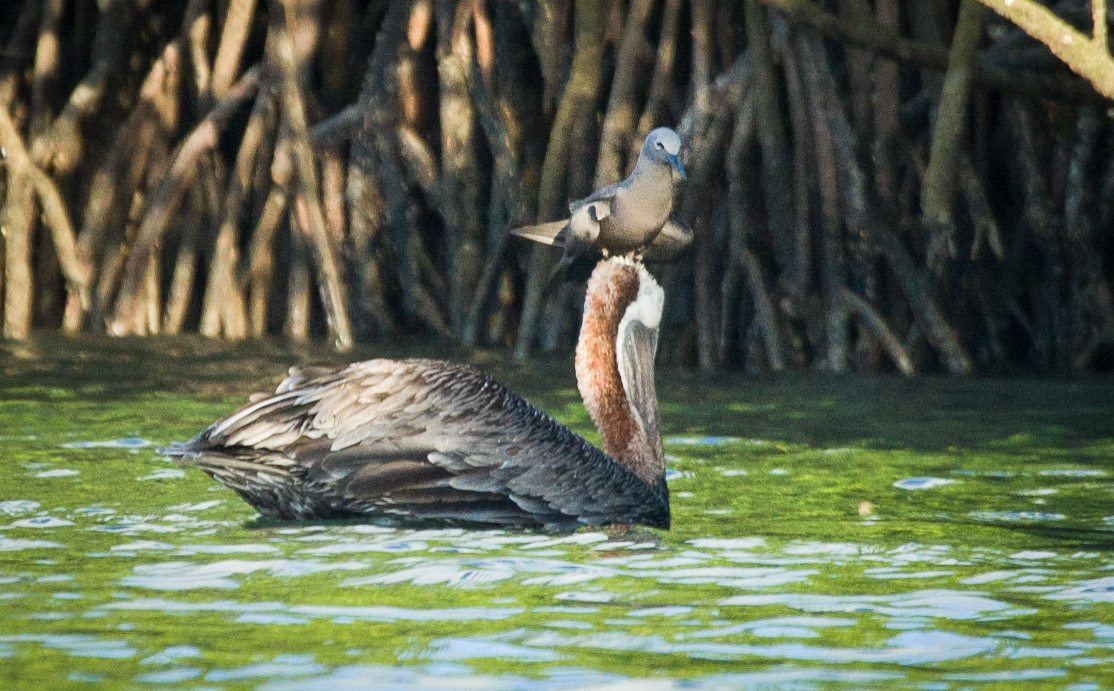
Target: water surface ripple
871 534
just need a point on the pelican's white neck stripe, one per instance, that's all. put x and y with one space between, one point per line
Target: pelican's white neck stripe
647 305
646 309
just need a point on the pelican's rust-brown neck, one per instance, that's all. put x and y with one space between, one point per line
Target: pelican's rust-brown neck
612 288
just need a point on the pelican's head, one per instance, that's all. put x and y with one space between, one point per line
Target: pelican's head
663 146
615 363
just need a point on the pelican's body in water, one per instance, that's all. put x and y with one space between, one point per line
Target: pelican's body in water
423 440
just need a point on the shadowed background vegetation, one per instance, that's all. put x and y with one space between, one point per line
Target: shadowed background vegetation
873 185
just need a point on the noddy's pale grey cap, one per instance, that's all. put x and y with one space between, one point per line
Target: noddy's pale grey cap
663 145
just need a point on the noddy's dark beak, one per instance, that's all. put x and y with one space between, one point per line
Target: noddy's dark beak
675 161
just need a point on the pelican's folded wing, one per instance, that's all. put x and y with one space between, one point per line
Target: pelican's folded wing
421 439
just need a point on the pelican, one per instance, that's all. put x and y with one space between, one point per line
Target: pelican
428 440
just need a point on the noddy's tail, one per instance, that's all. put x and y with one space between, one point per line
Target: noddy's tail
545 233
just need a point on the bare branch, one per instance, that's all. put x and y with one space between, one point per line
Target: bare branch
1087 56
887 42
54 209
166 197
874 323
940 181
333 293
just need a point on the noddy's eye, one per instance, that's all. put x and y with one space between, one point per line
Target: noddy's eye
659 145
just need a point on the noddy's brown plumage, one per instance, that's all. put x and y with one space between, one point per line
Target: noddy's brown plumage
627 217
423 440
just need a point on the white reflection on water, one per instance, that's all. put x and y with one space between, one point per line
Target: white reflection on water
8 544
460 575
189 576
776 627
895 573
336 613
164 474
124 443
480 647
599 596
200 506
383 678
1010 516
14 507
77 645
454 677
1073 472
131 548
271 618
142 545
247 548
41 522
170 676
907 647
171 654
58 472
708 441
945 604
732 543
276 668
132 525
386 544
477 572
918 483
1093 591
1009 675
731 576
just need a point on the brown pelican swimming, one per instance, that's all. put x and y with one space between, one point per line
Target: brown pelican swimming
432 440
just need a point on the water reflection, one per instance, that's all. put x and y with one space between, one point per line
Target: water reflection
178 575
721 599
125 443
333 613
981 558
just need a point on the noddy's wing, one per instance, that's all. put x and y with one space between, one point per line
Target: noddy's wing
575 234
603 194
545 233
673 240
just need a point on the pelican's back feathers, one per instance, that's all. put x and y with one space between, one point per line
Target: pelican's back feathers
418 439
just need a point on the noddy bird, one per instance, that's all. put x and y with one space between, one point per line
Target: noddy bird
628 217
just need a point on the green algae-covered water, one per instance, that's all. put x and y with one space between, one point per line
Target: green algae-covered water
829 532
